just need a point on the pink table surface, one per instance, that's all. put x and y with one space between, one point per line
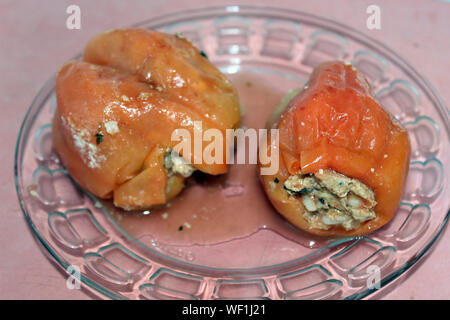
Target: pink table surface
35 41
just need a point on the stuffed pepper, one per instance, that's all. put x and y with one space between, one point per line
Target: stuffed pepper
119 106
343 158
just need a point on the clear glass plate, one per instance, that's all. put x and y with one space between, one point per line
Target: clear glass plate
233 244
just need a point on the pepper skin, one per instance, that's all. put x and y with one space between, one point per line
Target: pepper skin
117 110
336 123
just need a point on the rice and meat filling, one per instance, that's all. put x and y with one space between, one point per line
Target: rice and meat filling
332 199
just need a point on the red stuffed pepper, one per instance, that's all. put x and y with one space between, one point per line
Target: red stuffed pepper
343 158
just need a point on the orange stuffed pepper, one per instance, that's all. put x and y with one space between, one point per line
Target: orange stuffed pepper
117 110
343 158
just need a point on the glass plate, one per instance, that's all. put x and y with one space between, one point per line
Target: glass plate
233 244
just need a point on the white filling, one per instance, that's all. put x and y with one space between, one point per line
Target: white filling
332 199
174 163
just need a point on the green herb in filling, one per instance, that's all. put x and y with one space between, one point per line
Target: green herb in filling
298 193
98 138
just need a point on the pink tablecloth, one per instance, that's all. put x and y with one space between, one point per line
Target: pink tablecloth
35 41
